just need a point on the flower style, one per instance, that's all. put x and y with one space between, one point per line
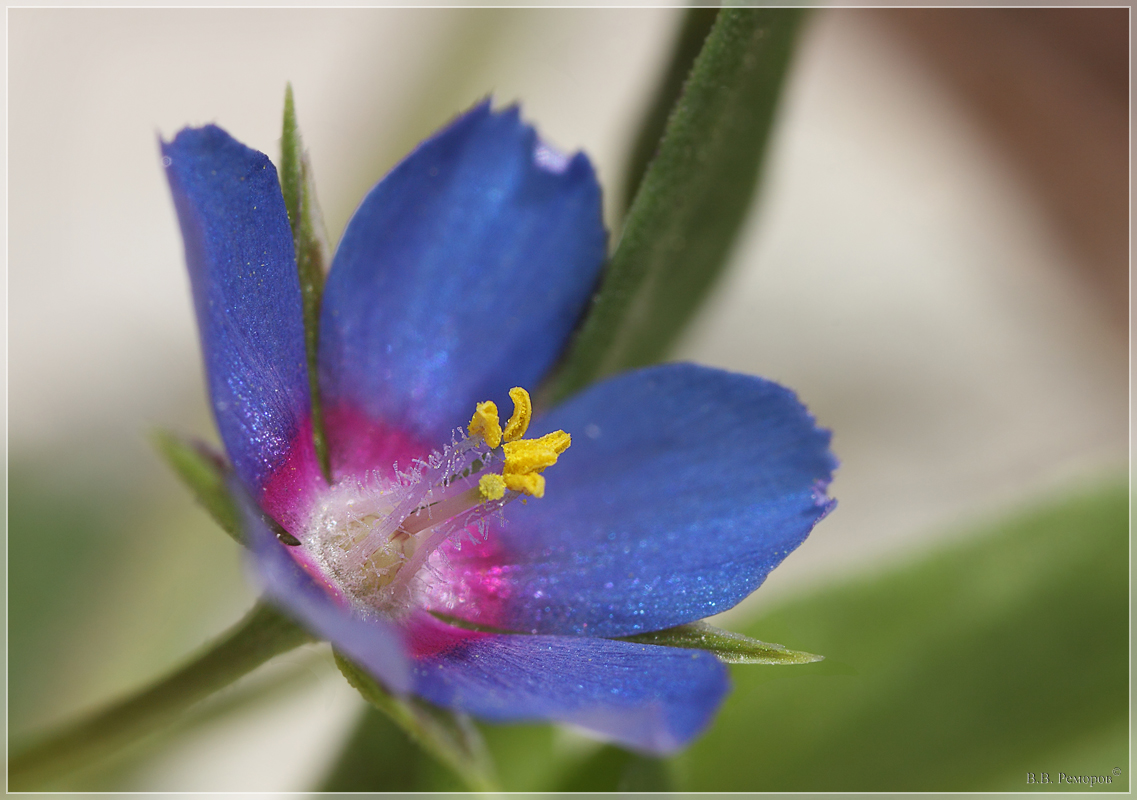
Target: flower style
461 276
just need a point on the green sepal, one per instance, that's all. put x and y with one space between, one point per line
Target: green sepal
313 255
726 646
692 200
206 473
451 738
379 756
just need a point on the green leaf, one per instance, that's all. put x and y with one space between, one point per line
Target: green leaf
261 635
1004 654
692 200
313 255
450 738
205 472
727 646
697 23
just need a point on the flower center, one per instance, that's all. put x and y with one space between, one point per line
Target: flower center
373 537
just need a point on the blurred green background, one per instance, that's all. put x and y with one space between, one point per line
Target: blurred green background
907 270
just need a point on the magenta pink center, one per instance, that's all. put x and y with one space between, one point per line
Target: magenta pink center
290 491
427 637
359 445
471 584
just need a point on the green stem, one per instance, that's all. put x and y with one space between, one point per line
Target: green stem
261 635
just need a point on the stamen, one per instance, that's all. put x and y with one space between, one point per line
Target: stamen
436 513
487 424
370 536
522 413
374 538
526 458
529 455
530 483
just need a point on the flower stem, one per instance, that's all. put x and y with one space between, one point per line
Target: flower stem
261 635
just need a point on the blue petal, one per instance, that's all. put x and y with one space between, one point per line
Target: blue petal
649 698
684 486
461 274
246 294
373 643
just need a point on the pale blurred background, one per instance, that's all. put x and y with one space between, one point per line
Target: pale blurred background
937 264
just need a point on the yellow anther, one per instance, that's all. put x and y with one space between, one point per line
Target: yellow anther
548 446
491 486
558 440
530 483
487 423
525 458
522 413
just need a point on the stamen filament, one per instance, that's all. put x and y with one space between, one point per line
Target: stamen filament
427 543
435 513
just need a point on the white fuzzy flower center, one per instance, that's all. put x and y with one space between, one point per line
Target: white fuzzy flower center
375 538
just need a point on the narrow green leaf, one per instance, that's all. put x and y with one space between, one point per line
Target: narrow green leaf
205 472
313 255
692 201
727 646
1005 654
697 23
451 738
261 635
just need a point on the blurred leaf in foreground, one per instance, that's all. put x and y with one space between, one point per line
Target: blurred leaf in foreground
380 756
1005 655
451 738
613 769
62 541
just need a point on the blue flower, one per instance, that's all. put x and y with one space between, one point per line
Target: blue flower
461 275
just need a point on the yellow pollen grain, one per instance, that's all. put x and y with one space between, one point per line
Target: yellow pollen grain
530 483
486 423
522 413
492 486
